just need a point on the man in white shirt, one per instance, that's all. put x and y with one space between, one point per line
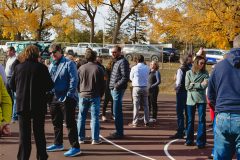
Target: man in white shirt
11 53
139 77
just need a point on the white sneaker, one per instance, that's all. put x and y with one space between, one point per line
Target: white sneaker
152 120
104 118
95 142
82 142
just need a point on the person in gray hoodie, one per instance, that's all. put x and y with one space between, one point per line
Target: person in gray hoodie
224 94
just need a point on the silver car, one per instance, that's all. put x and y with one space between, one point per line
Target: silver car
149 52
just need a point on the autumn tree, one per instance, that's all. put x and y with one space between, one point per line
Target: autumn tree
88 7
215 23
122 11
31 19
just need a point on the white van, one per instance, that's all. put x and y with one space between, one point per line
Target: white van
214 55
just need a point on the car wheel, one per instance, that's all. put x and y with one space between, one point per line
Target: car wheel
129 57
155 58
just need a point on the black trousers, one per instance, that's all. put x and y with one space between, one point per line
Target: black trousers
152 101
25 147
64 110
10 91
107 99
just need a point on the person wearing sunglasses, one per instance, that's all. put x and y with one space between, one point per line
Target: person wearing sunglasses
196 82
64 101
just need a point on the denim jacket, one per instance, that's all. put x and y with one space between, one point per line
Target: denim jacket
65 80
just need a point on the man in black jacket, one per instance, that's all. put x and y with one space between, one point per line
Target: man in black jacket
118 84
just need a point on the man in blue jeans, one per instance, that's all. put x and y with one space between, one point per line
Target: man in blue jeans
118 84
224 94
181 96
92 87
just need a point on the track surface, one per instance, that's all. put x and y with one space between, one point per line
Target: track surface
139 144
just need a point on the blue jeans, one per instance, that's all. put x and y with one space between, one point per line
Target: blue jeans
181 99
117 96
227 136
14 109
201 132
84 105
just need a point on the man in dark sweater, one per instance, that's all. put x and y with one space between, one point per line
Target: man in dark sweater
224 94
181 96
118 84
92 88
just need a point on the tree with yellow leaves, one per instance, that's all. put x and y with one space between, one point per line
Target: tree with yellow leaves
215 22
31 19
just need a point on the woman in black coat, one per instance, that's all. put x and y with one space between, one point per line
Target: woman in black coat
31 80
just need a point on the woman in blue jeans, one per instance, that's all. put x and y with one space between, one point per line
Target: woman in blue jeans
196 82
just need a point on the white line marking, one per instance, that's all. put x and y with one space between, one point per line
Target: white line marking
175 140
125 149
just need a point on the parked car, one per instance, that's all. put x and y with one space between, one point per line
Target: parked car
149 52
81 48
21 45
171 54
214 55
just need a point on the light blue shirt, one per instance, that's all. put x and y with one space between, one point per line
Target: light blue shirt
139 75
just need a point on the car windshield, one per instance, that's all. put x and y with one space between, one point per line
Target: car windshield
152 48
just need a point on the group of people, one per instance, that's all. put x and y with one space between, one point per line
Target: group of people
222 96
64 85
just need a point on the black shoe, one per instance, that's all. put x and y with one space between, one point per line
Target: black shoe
176 136
115 136
200 147
189 144
147 125
210 157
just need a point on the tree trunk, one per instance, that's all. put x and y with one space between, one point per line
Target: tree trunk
92 31
116 30
18 36
40 29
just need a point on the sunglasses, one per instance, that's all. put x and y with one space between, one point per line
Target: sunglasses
201 63
53 52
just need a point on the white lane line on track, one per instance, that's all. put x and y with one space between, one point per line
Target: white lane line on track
125 149
172 141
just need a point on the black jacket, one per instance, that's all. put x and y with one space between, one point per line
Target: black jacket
31 80
120 74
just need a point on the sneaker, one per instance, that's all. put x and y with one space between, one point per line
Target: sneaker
96 142
115 136
147 125
132 125
152 120
104 118
82 141
72 152
54 148
140 118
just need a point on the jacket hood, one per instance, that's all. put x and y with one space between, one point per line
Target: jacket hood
234 57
